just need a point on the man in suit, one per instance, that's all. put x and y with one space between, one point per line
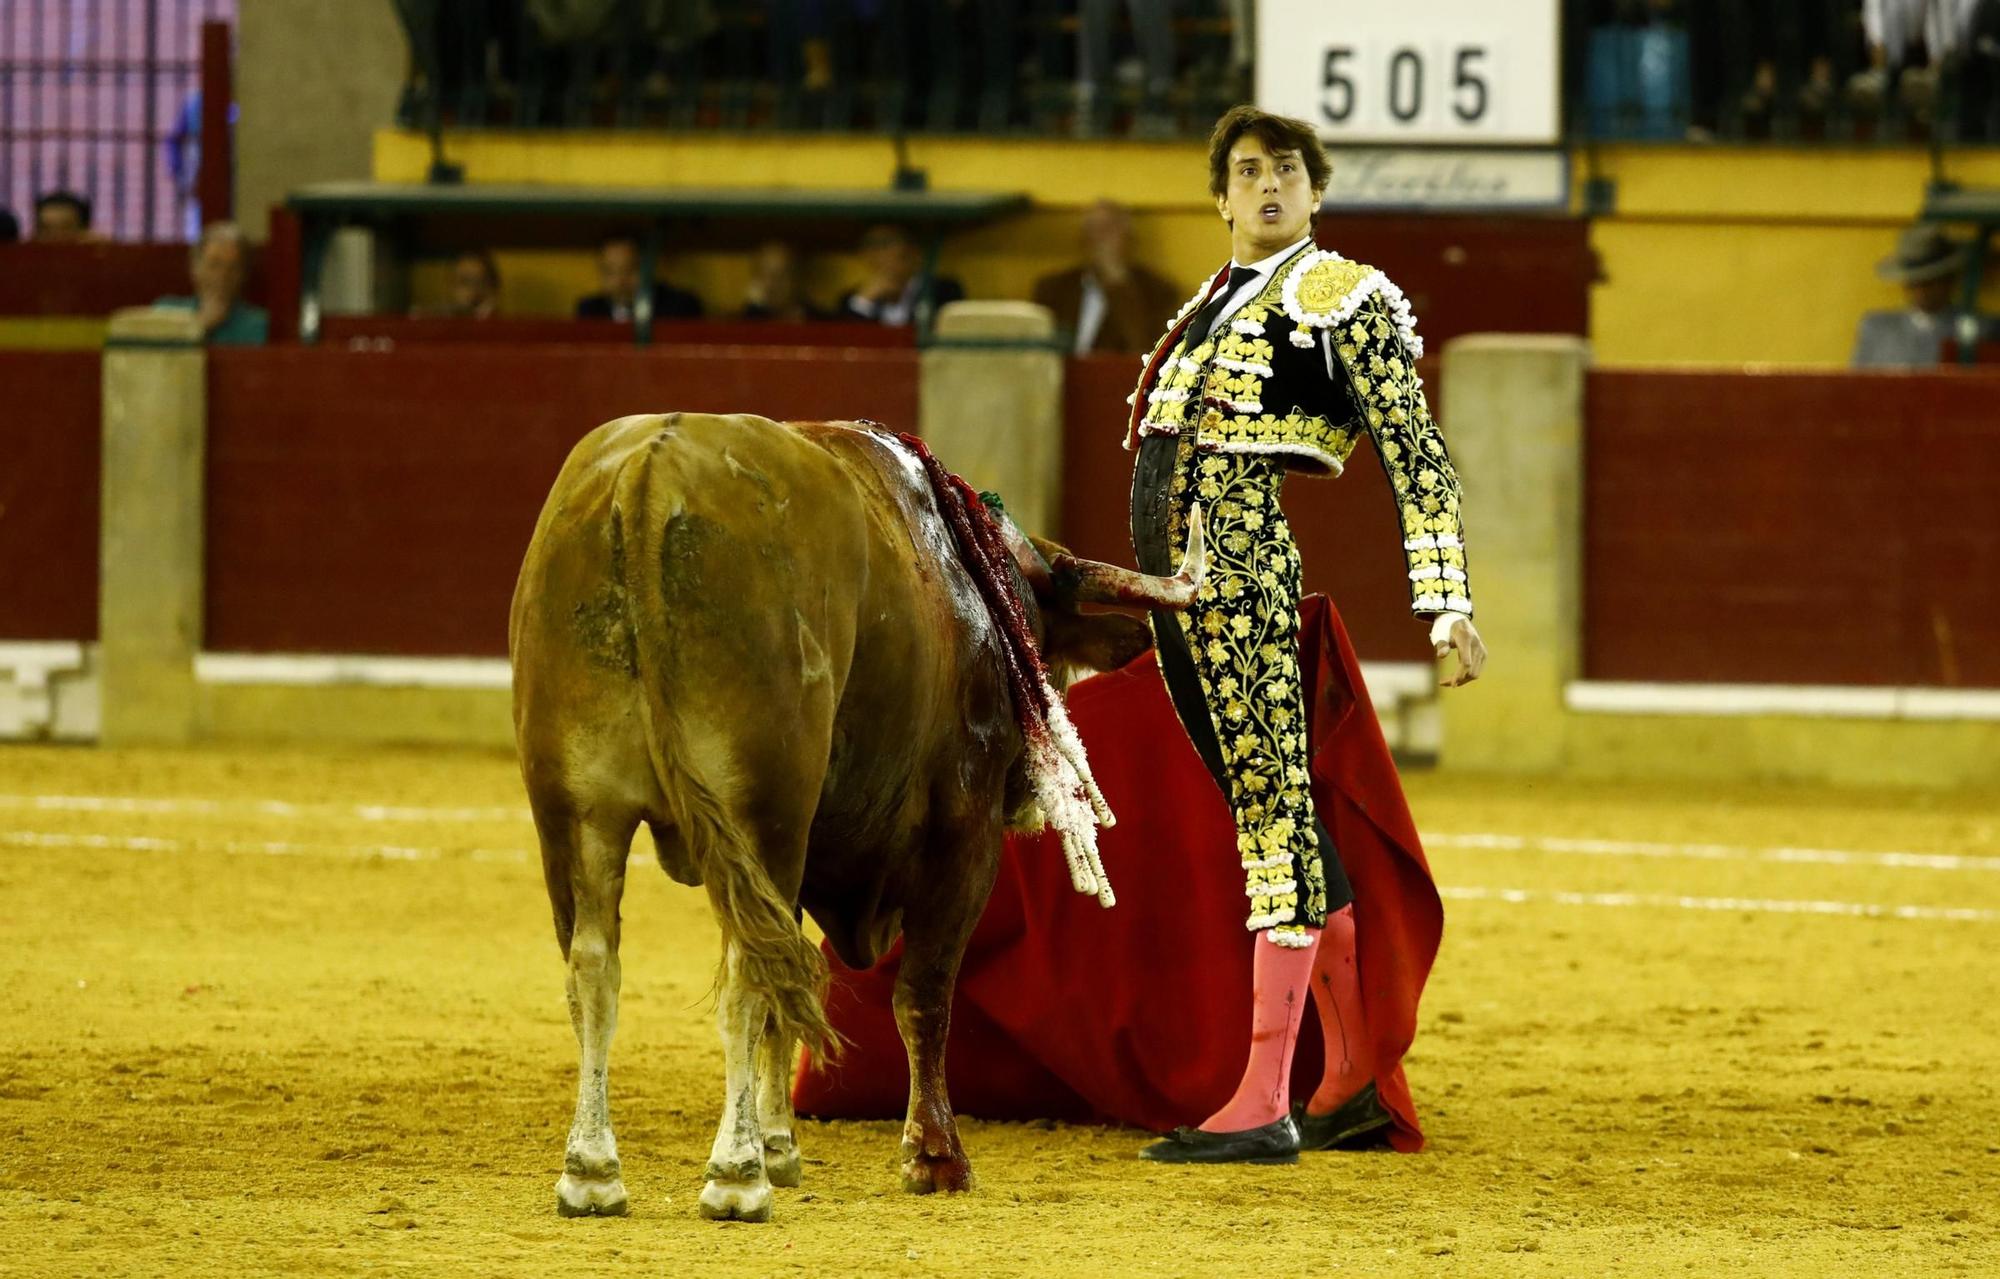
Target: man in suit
1930 266
1109 302
896 290
618 272
1278 364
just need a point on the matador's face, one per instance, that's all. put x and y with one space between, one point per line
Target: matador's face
1270 200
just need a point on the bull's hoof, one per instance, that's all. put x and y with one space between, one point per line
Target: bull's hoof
732 1201
929 1174
591 1197
781 1162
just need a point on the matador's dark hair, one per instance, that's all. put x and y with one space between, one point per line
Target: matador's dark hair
1277 133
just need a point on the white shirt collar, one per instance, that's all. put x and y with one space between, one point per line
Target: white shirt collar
1264 266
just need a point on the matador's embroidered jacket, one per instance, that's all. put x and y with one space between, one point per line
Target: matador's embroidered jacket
1327 350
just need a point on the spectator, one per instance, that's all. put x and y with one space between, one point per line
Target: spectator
896 290
10 227
62 217
1928 265
1109 302
1152 26
475 286
221 262
618 271
774 292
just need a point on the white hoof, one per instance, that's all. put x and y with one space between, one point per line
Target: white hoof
781 1162
733 1201
591 1196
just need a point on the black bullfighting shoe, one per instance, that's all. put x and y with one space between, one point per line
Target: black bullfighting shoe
1359 1115
1274 1143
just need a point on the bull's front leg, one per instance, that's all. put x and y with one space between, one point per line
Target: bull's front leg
934 938
777 1057
737 1188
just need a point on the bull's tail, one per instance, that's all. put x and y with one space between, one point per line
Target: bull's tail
773 958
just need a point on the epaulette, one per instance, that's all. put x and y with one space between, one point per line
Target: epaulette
1324 290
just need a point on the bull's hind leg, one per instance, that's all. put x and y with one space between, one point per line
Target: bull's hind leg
934 937
592 1184
737 1188
777 1056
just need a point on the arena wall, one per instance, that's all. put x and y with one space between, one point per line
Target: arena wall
1789 559
1708 254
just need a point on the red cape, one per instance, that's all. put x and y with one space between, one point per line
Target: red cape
1141 1014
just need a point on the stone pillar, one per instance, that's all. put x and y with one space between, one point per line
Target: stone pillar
314 81
990 405
149 610
1513 416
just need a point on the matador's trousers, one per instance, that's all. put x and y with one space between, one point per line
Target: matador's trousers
1231 668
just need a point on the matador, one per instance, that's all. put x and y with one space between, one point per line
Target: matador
1277 365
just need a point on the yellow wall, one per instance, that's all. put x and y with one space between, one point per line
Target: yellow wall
1711 255
51 332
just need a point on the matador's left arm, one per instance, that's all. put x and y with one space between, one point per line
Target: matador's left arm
1376 353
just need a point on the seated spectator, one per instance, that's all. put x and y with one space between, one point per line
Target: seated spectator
475 286
1928 265
1109 302
618 272
896 288
774 292
221 262
10 227
62 217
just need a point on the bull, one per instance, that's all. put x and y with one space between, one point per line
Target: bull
762 642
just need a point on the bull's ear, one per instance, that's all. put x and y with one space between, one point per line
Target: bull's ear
1093 641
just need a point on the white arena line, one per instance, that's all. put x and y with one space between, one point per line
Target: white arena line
1765 905
1455 892
175 806
1485 842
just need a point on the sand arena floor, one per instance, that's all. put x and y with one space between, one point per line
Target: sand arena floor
267 1013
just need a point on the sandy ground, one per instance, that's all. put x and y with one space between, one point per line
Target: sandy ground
303 1015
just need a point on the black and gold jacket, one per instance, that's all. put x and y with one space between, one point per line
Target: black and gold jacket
1327 351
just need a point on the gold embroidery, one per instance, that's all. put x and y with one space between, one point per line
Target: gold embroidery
1243 631
1326 283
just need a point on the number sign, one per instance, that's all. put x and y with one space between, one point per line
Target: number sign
1462 71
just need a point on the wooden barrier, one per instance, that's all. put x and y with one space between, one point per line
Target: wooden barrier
99 277
396 330
49 438
380 503
1794 528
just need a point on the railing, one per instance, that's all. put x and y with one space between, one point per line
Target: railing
102 98
1694 70
1783 70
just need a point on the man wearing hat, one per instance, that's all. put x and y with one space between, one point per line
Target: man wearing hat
1928 264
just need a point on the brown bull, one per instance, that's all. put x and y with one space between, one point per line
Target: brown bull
759 640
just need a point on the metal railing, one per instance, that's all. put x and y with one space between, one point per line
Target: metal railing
990 66
1684 70
101 98
1799 71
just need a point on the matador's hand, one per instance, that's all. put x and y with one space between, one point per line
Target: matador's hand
1464 640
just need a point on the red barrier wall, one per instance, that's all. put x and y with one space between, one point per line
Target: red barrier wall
1346 528
49 451
98 278
1797 528
1477 273
380 503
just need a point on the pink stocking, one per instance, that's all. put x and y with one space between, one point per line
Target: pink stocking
1336 986
1282 975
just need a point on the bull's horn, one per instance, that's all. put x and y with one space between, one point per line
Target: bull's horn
1108 584
1027 557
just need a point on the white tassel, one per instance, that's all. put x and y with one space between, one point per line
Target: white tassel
1059 771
